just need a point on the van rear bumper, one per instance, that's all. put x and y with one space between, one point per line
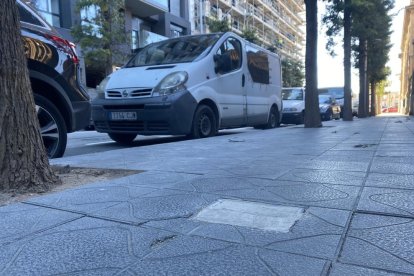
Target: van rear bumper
172 114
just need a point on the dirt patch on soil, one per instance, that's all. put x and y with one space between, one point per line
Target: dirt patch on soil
71 177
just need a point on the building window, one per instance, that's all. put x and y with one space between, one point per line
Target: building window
176 31
49 9
134 40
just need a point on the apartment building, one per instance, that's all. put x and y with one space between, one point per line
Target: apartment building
278 23
146 20
407 62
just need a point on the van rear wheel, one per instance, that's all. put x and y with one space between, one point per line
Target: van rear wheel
123 138
204 123
274 119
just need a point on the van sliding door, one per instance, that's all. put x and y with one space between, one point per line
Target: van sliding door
229 84
258 85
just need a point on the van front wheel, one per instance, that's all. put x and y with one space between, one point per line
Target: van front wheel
273 120
204 122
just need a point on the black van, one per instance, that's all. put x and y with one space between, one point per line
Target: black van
62 104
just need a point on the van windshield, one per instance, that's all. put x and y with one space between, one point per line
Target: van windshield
292 94
176 50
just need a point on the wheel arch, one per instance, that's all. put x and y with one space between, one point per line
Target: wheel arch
210 103
51 90
274 105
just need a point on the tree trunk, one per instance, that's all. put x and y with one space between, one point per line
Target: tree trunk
373 99
347 112
312 114
23 161
362 111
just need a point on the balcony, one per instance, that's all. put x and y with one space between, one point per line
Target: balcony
146 8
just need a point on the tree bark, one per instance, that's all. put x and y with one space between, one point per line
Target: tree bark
347 112
362 111
312 114
23 161
373 99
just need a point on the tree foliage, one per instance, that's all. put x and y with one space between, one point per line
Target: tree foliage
370 32
250 35
218 26
292 72
101 33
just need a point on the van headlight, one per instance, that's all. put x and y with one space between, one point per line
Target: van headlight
171 83
100 88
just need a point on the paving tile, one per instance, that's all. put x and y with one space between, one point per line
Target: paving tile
316 234
298 193
159 205
335 165
325 176
404 181
90 199
383 200
83 247
351 270
380 166
199 256
380 242
21 220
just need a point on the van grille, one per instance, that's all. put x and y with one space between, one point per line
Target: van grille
128 93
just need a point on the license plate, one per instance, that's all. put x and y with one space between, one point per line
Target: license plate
123 116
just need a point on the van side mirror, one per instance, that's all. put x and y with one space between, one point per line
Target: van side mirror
222 63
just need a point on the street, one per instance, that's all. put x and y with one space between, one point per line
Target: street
84 142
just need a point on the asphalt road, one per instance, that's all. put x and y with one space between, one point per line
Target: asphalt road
84 142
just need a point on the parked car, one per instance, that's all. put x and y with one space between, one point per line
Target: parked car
337 93
293 105
62 104
391 109
329 108
191 85
355 106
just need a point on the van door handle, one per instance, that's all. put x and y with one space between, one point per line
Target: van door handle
243 80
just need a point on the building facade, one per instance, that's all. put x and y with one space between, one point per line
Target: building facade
407 62
277 23
146 20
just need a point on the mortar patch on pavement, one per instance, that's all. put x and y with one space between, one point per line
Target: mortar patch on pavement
251 214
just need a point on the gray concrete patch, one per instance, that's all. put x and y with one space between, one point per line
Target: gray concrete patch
251 214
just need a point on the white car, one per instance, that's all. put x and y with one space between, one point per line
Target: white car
293 105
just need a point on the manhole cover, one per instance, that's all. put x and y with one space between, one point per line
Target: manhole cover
251 214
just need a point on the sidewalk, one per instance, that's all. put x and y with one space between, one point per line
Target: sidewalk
337 200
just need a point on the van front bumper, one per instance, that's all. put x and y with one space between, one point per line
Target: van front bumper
172 114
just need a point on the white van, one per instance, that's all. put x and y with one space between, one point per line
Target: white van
191 85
